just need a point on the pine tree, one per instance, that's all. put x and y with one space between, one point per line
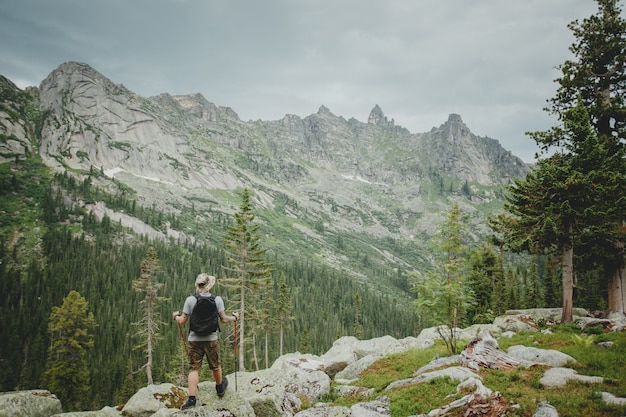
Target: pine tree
357 327
562 201
283 310
444 294
71 333
246 264
305 342
597 77
485 273
150 323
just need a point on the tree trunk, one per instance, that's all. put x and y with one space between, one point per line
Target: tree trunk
280 343
617 287
150 333
617 291
267 348
255 358
242 316
567 269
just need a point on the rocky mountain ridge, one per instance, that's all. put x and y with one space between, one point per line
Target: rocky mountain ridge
323 175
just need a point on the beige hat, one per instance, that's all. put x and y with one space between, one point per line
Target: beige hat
204 282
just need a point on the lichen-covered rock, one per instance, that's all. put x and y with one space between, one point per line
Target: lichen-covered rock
353 391
33 403
545 410
457 373
352 371
558 377
282 389
325 411
377 408
104 412
150 399
548 357
340 355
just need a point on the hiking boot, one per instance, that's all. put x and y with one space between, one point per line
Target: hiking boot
191 402
221 388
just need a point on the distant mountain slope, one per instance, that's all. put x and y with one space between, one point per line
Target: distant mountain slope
326 188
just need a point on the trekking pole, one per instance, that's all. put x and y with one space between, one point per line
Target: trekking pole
235 352
180 329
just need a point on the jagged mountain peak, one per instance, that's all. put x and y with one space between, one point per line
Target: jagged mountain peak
454 128
378 118
324 111
454 119
74 73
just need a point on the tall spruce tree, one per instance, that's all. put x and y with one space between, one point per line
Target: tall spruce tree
71 333
150 322
486 272
597 77
283 310
246 264
357 326
560 203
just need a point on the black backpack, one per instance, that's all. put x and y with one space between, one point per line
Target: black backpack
204 317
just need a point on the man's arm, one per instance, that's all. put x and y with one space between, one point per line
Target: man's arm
224 318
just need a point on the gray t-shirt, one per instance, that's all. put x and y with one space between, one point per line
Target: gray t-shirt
190 303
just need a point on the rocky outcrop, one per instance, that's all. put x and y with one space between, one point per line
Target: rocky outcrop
17 131
33 403
295 383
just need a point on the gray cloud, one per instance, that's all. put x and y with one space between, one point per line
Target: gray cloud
491 61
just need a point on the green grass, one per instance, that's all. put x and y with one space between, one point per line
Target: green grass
519 386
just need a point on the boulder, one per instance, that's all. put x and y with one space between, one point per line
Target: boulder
439 363
545 410
516 323
457 373
281 389
353 391
615 322
303 375
427 336
352 371
558 377
230 405
104 412
378 347
476 329
377 408
550 357
150 399
32 403
548 314
340 355
348 350
325 411
609 398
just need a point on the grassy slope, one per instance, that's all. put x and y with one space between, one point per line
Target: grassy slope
520 386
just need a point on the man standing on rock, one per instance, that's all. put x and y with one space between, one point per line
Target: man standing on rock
202 310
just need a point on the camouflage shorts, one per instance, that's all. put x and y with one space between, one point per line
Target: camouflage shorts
198 350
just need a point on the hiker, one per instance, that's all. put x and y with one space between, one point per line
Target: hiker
206 343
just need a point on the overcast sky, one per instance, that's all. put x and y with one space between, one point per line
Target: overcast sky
491 61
